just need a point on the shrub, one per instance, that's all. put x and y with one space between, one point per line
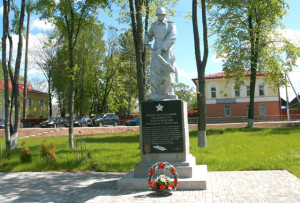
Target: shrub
25 154
89 155
8 154
95 165
48 153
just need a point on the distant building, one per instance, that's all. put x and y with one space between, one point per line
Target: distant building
294 104
37 102
224 100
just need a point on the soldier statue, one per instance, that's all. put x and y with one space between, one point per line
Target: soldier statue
163 70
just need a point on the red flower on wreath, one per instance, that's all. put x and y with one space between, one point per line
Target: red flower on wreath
161 166
172 170
155 186
162 187
175 182
170 186
150 183
151 172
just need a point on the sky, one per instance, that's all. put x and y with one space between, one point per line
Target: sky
184 45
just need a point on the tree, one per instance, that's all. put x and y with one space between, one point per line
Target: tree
28 9
11 135
187 94
127 58
201 65
43 56
70 17
249 39
6 11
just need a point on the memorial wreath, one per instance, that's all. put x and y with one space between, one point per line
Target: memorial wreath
163 183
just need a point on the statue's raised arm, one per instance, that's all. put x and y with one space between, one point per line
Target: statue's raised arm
163 70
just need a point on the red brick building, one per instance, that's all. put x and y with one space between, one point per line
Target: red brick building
224 100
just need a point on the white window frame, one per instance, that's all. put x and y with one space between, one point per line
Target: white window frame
262 109
213 92
248 90
261 89
225 112
237 91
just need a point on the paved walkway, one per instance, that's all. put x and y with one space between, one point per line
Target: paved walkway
239 186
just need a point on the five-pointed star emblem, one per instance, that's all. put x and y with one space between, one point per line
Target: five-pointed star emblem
159 107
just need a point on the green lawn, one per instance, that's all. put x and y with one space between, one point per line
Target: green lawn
228 149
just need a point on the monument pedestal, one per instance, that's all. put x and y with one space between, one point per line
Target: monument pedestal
165 137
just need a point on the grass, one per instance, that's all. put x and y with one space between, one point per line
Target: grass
237 149
229 149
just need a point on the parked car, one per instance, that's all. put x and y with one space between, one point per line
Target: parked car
2 124
133 122
83 121
106 119
54 122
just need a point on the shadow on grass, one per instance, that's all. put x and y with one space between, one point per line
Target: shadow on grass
113 139
220 131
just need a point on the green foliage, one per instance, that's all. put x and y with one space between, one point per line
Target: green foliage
153 5
8 154
187 94
48 153
95 165
250 32
25 154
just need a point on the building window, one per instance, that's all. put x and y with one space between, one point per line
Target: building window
261 90
29 102
41 103
248 91
237 92
262 109
213 92
227 110
247 108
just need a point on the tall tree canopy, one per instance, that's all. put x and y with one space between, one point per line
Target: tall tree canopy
70 17
249 38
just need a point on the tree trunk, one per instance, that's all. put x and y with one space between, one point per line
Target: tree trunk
201 65
26 68
130 87
49 94
254 41
14 135
71 98
6 11
137 30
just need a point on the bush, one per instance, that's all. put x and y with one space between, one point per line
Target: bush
48 153
25 154
8 154
95 165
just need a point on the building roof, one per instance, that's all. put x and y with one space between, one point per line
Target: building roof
294 101
21 87
222 75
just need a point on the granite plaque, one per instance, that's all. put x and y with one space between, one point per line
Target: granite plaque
162 126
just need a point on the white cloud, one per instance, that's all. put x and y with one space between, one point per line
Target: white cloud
1 11
182 73
292 35
35 71
42 25
217 59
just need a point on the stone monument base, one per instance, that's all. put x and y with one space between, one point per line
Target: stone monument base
165 138
197 182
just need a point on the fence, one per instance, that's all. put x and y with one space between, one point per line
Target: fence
243 119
